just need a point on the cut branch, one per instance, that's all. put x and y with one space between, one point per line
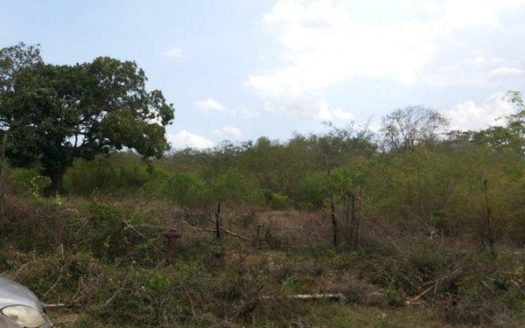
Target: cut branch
226 231
309 297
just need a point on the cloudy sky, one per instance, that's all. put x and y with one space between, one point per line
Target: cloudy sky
240 69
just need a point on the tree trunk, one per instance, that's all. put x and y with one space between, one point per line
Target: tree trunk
3 186
353 221
346 214
2 163
56 186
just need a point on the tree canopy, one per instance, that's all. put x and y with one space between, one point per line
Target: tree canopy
53 114
406 127
511 135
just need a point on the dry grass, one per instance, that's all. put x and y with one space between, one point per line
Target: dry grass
236 283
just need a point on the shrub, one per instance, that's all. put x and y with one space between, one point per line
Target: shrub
313 191
113 235
23 181
236 189
279 201
187 190
118 174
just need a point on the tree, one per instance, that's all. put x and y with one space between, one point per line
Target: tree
11 60
14 58
406 127
509 137
342 145
54 114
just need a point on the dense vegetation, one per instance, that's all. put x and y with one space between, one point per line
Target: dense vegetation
410 226
52 114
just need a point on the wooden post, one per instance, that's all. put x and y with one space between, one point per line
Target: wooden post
258 235
489 234
359 207
218 221
332 205
347 211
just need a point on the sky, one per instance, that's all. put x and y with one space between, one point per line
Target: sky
240 69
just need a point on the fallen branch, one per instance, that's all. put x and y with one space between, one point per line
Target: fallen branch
228 232
51 306
13 276
93 307
189 299
197 229
518 286
56 281
420 295
433 285
132 228
308 297
484 283
442 278
109 300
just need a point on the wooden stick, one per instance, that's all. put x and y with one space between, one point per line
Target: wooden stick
132 228
331 198
185 290
518 286
218 221
228 232
194 228
308 297
60 305
421 294
489 229
109 300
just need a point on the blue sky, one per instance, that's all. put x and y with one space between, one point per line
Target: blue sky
240 69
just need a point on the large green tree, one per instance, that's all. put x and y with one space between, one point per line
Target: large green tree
53 114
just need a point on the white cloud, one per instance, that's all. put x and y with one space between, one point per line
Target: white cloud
174 53
229 133
337 114
506 71
342 115
325 42
186 139
210 105
468 115
481 60
247 113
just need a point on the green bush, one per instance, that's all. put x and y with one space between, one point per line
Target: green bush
30 223
118 174
26 181
187 190
279 201
313 191
113 235
236 189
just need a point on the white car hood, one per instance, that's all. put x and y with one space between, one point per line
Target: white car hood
12 293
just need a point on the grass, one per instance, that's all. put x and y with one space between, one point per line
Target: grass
108 260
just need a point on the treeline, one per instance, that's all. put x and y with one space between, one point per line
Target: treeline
413 172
